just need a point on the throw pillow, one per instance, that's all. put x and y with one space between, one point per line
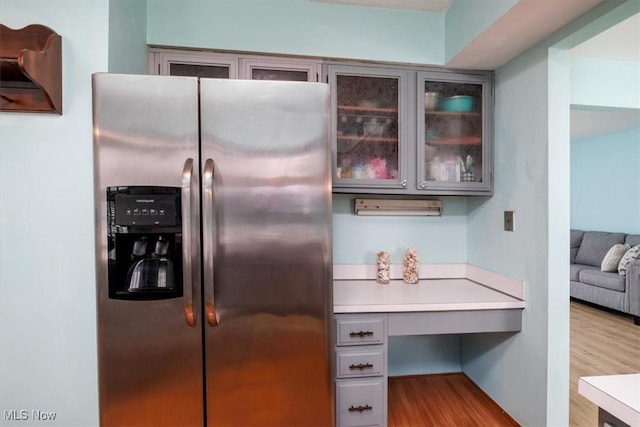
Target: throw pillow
628 257
612 258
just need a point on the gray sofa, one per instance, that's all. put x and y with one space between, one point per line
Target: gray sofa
608 289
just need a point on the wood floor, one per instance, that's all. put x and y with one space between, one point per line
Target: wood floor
602 343
447 400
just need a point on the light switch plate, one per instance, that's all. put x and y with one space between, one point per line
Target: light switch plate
508 220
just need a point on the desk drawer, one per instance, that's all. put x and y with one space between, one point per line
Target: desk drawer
360 330
360 402
362 362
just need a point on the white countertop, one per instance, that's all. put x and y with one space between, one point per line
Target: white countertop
358 296
353 294
619 395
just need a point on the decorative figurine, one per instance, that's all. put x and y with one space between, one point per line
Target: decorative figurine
410 266
384 264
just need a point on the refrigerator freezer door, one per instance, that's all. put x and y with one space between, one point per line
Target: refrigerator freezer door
150 359
268 352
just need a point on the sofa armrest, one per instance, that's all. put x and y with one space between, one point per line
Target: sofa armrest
633 287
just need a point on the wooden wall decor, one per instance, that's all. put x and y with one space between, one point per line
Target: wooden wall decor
30 69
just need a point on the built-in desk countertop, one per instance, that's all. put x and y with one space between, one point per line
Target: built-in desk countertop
617 396
449 298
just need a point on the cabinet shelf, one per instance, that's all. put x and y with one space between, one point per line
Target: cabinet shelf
356 108
366 138
452 113
30 69
471 140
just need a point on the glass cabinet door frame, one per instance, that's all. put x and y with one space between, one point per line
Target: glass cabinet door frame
161 60
485 186
240 65
400 183
312 68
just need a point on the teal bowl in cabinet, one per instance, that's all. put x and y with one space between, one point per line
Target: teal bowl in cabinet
460 104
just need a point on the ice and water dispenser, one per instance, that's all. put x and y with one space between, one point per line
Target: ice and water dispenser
145 242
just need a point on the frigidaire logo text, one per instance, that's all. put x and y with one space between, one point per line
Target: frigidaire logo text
145 201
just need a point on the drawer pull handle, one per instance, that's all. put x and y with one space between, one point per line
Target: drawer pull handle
360 408
361 366
361 334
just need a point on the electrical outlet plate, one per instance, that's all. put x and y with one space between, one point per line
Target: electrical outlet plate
508 220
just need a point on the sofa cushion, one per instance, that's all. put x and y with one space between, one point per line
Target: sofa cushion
613 257
575 269
628 257
632 240
595 245
574 244
603 279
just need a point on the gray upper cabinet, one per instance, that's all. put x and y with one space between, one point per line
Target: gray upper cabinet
172 62
413 131
399 130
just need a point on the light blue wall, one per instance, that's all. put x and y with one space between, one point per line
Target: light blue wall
423 354
47 285
532 178
128 36
47 279
356 239
299 27
605 170
605 182
521 150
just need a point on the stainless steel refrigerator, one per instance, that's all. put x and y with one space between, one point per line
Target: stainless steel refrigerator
213 251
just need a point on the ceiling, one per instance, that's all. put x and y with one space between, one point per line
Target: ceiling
609 43
621 43
524 25
592 122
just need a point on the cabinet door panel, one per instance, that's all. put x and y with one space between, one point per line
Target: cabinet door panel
195 64
273 69
453 132
368 130
199 70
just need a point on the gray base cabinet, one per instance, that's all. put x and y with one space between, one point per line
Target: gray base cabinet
361 370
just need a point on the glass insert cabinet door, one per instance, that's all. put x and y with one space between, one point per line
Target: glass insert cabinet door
231 66
453 130
263 69
367 108
196 65
199 70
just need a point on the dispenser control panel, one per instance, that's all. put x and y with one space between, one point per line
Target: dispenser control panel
147 209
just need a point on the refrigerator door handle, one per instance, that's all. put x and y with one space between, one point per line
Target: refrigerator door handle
208 241
187 267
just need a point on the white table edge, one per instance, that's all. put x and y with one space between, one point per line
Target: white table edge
607 402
